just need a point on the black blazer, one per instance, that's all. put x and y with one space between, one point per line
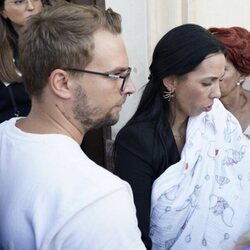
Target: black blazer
14 101
141 156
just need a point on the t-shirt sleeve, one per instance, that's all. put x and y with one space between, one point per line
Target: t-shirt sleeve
108 223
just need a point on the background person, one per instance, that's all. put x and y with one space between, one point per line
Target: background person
187 65
234 97
51 195
14 100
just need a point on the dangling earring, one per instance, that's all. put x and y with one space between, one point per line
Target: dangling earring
168 95
238 83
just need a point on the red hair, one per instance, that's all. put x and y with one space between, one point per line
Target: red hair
237 42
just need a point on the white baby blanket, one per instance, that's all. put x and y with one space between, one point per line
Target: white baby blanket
203 201
247 132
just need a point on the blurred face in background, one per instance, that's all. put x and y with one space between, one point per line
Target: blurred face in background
20 11
230 79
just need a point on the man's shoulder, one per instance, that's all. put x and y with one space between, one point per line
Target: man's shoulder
84 178
57 168
101 179
7 124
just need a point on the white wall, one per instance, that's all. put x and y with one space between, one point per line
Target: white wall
247 83
220 12
145 21
167 14
162 16
134 25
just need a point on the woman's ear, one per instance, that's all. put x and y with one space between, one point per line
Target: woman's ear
241 80
3 14
170 83
59 83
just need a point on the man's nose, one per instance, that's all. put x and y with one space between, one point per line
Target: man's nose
130 87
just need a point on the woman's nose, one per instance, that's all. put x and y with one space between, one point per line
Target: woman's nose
216 93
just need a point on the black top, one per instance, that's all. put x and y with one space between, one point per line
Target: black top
14 101
140 158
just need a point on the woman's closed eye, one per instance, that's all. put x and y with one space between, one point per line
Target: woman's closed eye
206 84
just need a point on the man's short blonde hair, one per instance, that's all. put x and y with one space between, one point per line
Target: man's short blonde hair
61 37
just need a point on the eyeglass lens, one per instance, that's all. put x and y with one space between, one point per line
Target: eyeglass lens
125 80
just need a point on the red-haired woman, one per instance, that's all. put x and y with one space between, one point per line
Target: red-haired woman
234 97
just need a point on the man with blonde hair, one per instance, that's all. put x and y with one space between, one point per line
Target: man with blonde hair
75 67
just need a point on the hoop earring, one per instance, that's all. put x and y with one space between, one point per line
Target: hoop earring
168 95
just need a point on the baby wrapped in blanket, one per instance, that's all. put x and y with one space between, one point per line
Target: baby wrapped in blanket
203 201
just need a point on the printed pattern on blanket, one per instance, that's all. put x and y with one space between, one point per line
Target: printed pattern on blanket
203 201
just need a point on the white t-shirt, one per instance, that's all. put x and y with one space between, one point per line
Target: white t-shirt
53 197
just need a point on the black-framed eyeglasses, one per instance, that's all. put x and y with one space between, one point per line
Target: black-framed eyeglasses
106 74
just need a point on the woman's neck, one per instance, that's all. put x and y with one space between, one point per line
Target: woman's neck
238 103
179 126
235 99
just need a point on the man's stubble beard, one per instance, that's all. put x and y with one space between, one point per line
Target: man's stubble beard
90 117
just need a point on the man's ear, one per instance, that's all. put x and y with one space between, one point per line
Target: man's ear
59 83
170 83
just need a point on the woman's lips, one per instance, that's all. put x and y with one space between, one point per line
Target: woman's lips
208 108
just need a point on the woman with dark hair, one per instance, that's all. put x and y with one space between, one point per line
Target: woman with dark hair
172 133
234 97
14 101
181 84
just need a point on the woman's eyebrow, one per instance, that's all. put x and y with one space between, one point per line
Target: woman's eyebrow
214 78
210 78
